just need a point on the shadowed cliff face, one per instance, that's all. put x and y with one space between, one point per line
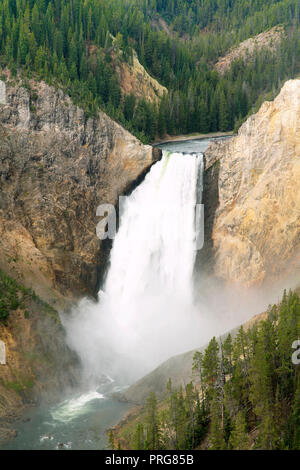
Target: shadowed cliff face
38 364
56 167
256 225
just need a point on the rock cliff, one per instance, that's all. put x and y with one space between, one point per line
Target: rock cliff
56 166
37 362
255 224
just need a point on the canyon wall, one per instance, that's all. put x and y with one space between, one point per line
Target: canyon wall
56 166
38 365
254 224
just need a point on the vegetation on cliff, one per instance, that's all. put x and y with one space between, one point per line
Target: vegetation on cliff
9 299
14 296
248 398
72 43
38 361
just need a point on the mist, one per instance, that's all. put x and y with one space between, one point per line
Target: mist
151 307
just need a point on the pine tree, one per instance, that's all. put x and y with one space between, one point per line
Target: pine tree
161 121
295 419
198 369
216 436
228 351
211 367
224 114
267 438
152 423
139 437
239 439
129 106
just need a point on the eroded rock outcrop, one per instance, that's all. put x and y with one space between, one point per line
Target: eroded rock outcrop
56 166
135 79
256 225
246 50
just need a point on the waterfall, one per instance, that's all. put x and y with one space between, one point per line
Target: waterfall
146 309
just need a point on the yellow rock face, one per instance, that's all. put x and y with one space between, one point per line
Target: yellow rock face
246 50
135 79
256 231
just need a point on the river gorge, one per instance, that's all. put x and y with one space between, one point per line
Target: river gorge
133 311
137 321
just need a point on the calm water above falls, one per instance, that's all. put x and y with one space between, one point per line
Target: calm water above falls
151 268
189 146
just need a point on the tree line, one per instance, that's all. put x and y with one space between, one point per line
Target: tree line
70 44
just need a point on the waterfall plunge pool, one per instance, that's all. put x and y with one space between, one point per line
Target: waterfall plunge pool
77 423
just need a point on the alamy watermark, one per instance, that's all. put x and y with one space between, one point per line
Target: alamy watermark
296 354
2 353
107 227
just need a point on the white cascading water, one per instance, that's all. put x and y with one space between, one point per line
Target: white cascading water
146 311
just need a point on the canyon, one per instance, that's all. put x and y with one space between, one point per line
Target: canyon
58 165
